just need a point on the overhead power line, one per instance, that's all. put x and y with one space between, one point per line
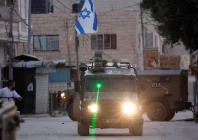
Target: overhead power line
64 6
118 9
21 19
63 11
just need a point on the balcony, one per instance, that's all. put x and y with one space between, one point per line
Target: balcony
5 14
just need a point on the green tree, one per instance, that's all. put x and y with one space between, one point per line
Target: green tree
177 20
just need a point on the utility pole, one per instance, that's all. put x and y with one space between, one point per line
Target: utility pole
196 95
11 42
143 42
29 27
77 81
67 42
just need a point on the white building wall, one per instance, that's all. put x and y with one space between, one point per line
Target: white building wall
20 35
23 28
102 6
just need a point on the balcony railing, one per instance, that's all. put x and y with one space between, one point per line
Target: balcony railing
5 14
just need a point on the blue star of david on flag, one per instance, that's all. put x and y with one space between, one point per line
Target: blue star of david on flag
87 22
85 13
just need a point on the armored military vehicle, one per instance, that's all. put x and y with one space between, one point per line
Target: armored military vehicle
108 98
163 93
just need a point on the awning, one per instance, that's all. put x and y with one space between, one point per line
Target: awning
43 63
27 57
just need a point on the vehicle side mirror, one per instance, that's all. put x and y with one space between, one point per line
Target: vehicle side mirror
77 86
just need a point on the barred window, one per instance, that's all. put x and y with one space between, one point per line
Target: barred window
104 42
46 43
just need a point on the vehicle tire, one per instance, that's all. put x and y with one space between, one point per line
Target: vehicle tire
70 113
136 130
170 115
83 130
156 111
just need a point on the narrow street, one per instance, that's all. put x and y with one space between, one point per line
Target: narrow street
62 128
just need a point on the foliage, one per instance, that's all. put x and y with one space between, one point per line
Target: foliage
177 20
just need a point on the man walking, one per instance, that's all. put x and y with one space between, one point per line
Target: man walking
8 93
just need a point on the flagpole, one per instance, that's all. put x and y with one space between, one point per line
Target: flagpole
77 55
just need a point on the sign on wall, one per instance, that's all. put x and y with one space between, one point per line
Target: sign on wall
170 62
185 61
151 58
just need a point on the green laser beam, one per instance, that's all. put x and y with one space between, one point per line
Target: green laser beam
94 122
98 85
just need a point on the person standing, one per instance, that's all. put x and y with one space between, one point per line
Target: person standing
8 93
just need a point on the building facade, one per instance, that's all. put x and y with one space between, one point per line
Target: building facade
152 39
19 27
119 37
53 35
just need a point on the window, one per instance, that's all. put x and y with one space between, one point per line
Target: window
24 12
104 42
25 9
46 43
156 41
2 2
6 2
149 40
23 27
113 83
42 6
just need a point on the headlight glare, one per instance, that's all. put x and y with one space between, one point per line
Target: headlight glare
93 108
129 108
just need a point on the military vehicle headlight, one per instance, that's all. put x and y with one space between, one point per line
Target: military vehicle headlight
63 95
129 108
93 108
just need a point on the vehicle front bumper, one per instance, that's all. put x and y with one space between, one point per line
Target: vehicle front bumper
112 123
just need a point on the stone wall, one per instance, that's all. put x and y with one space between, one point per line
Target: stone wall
122 23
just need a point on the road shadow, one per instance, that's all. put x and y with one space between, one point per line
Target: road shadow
110 135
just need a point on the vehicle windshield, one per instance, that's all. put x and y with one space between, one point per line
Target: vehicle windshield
110 83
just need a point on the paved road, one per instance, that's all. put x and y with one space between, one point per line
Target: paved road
61 128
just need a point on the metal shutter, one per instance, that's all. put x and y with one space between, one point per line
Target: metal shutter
2 60
42 95
2 55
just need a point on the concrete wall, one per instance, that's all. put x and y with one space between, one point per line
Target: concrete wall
100 5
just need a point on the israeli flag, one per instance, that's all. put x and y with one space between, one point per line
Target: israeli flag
87 22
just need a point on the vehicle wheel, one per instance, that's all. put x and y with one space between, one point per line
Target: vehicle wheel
83 130
136 130
170 116
156 111
70 113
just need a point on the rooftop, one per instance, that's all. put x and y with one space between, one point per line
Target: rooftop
112 71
